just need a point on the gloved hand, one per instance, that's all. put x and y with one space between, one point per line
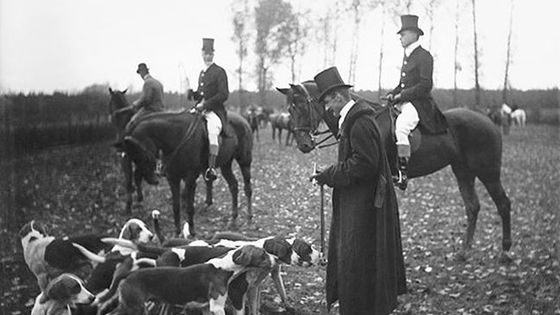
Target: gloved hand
319 178
390 97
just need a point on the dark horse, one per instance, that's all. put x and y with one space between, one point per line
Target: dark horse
182 138
282 121
121 113
473 148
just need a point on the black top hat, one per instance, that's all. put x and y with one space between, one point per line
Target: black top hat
208 44
328 80
142 66
410 22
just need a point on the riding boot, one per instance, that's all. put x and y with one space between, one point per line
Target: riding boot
403 176
403 152
210 174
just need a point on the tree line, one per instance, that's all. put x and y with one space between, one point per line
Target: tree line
274 32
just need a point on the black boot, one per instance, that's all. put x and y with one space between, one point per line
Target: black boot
210 174
402 179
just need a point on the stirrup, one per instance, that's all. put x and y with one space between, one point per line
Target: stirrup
210 174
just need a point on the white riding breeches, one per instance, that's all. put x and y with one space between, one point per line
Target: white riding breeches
214 126
406 122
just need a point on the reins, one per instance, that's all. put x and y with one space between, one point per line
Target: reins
188 134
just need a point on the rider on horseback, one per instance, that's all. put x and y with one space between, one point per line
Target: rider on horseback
210 96
151 99
412 97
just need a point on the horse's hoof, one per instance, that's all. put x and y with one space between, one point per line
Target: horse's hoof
505 258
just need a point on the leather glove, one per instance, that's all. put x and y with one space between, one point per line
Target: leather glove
390 97
320 178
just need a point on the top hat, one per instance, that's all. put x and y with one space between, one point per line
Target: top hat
142 67
410 22
208 45
328 80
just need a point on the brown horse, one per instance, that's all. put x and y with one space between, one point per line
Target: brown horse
473 148
282 121
182 139
253 119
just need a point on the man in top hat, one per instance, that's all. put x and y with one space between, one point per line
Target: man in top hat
210 96
412 96
151 99
365 270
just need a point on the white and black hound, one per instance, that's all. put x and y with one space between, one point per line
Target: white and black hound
62 293
47 257
207 282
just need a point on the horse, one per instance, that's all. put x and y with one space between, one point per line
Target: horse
501 116
253 119
282 121
238 145
519 117
472 146
120 114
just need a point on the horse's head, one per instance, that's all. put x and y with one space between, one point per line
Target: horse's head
119 108
142 153
306 112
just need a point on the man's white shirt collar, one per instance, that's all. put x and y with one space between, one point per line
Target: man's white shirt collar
208 66
344 111
410 48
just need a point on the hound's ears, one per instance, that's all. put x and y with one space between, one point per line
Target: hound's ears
283 90
60 289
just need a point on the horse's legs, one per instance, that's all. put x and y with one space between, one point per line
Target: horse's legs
503 204
246 172
279 135
227 172
287 137
465 179
138 183
209 193
190 187
175 186
126 166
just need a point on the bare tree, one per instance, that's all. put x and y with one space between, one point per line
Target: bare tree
476 65
430 12
508 55
271 44
241 37
381 46
457 66
296 32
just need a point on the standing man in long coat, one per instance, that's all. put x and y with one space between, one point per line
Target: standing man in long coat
365 270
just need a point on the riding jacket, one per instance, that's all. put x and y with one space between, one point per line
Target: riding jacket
213 89
415 86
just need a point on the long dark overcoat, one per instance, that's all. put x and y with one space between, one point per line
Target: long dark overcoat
365 271
415 86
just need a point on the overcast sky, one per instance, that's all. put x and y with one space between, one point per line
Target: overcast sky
66 45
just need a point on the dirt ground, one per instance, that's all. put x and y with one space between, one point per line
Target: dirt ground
78 190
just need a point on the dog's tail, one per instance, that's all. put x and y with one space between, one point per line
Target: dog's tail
119 241
90 255
157 228
231 236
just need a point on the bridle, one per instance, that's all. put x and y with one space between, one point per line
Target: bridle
312 131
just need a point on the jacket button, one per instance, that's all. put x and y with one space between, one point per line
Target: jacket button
402 85
403 74
405 62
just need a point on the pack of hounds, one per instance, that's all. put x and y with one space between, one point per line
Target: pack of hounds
140 272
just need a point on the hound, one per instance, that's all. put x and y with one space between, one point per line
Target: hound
48 257
201 285
62 293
